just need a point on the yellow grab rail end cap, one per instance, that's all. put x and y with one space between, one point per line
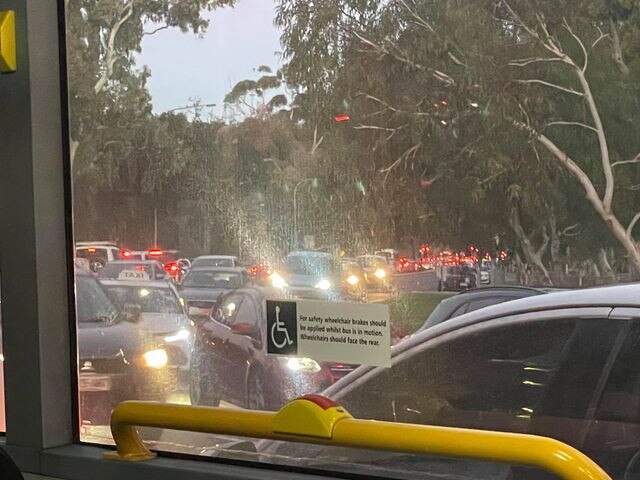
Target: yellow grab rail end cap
311 416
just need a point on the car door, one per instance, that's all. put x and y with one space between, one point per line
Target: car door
243 346
498 375
217 337
613 440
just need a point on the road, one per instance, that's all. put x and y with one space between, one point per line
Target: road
424 281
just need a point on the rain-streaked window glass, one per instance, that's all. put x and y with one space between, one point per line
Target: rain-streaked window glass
460 162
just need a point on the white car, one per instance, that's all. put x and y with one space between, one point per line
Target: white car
97 253
161 315
564 365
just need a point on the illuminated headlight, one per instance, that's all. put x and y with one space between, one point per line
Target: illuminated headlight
380 273
303 364
277 281
323 284
182 334
156 358
352 280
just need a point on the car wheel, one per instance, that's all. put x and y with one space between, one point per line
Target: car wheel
256 391
202 385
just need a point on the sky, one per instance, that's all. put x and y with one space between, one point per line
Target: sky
185 67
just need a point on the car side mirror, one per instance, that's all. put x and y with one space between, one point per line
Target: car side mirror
132 312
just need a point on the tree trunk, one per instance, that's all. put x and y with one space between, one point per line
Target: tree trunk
605 266
532 255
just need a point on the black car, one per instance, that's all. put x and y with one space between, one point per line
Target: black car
118 361
230 360
471 300
202 286
456 278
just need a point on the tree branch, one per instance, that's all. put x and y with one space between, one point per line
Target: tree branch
579 42
552 85
110 56
633 224
617 48
523 62
635 159
155 30
577 124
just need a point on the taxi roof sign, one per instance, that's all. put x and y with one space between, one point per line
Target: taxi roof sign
133 275
7 41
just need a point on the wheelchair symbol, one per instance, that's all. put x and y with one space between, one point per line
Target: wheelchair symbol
280 328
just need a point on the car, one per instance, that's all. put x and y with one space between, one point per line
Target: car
215 261
472 300
564 365
456 277
354 281
260 272
132 270
160 313
117 360
377 271
202 286
97 253
230 361
390 254
309 274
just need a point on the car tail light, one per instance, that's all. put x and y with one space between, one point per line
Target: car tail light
140 267
155 252
91 250
125 254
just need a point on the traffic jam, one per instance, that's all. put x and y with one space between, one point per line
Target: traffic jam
152 322
154 325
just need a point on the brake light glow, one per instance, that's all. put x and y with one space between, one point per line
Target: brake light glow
342 118
155 252
125 253
140 267
91 250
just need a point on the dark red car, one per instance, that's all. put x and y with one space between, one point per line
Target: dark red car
230 361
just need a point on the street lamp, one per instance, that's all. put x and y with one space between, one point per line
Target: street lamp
314 183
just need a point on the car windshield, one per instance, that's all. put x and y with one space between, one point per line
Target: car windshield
370 262
150 299
212 279
311 265
213 262
93 304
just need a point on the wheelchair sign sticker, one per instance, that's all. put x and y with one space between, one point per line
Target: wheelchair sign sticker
282 328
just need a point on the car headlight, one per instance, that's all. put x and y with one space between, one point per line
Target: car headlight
182 334
157 358
380 273
352 280
300 364
323 284
277 281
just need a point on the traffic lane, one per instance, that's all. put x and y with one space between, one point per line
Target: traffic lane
424 281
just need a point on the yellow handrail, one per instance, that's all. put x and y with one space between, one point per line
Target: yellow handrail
314 419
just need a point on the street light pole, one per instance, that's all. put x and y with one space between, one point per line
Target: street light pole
294 236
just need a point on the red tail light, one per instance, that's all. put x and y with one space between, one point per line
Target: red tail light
342 118
91 250
155 252
125 253
140 267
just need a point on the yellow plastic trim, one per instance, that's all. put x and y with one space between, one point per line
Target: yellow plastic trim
7 41
548 454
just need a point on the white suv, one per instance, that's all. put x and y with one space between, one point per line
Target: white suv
97 253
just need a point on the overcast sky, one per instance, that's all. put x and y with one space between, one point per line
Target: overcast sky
185 67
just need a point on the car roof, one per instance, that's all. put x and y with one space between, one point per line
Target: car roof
482 291
135 284
308 253
215 257
614 296
131 262
206 268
